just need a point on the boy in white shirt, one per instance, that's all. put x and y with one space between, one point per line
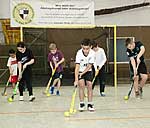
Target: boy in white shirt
13 66
83 73
100 60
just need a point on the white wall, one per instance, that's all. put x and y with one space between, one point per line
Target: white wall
2 39
4 9
101 4
134 17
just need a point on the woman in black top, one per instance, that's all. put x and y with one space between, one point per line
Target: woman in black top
25 60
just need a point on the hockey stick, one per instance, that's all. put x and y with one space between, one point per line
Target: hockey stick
72 104
129 93
72 109
10 99
131 88
49 82
94 80
4 92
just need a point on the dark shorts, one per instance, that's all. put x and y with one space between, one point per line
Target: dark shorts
57 75
141 69
88 76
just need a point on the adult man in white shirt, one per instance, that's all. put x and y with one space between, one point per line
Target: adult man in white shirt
85 58
100 60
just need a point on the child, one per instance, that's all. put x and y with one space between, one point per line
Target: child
55 59
100 60
136 50
25 60
13 66
85 58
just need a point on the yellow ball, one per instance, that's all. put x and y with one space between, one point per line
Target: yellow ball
10 99
66 114
126 98
48 94
74 111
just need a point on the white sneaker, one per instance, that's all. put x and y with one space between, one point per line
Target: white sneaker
102 94
31 98
81 107
21 98
91 107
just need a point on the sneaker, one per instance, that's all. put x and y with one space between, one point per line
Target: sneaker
137 95
91 107
21 98
57 93
102 94
51 90
31 98
141 92
81 107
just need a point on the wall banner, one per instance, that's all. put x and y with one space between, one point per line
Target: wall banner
52 13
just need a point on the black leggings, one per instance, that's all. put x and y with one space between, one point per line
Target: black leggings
101 79
26 79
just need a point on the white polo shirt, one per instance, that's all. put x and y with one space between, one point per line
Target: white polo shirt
12 62
84 60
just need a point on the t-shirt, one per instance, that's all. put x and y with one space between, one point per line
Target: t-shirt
84 60
135 51
55 58
12 62
25 57
100 58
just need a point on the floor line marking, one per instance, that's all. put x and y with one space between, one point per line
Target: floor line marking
109 118
63 110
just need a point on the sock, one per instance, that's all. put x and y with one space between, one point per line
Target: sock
82 102
90 102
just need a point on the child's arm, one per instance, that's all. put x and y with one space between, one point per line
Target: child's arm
10 70
61 58
60 62
77 66
9 66
89 66
133 63
140 54
50 64
90 63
